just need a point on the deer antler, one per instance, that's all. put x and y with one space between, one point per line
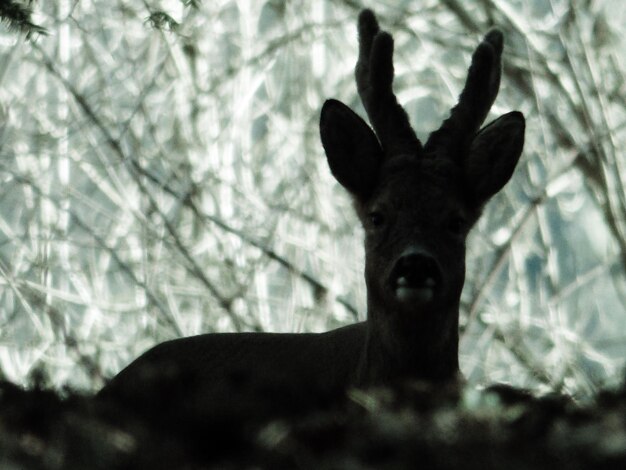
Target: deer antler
374 78
479 93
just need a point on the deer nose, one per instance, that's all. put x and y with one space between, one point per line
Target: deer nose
416 276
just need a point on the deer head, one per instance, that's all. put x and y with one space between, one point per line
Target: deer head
417 202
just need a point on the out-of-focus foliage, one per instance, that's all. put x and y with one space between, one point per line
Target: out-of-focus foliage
159 181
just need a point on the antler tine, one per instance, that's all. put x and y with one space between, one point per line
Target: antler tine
479 93
374 79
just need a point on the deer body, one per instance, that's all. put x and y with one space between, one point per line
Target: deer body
416 203
299 361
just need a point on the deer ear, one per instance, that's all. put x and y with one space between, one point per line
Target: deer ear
493 155
352 149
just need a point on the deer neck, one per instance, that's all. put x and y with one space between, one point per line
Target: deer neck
396 352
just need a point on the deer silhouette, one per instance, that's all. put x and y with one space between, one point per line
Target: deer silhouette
416 204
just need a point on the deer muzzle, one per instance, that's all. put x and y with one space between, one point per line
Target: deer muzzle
416 278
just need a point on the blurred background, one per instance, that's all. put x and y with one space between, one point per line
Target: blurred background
162 175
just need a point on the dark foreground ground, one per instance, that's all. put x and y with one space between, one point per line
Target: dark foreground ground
414 426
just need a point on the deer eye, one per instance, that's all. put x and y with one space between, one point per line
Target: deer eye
376 218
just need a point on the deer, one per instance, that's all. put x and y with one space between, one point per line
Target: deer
416 203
